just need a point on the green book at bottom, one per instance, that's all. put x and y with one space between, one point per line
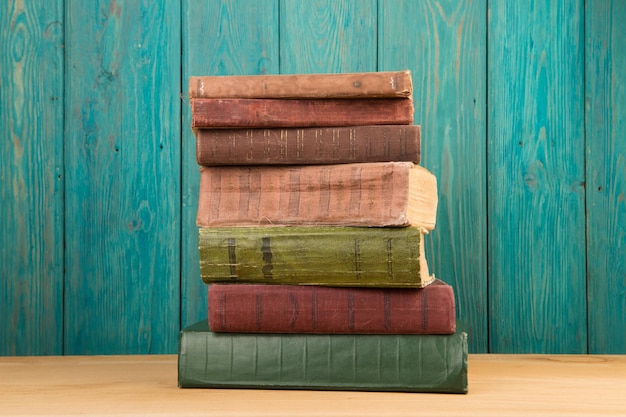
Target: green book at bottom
402 363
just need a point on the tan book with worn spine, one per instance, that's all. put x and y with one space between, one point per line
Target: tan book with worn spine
364 194
344 85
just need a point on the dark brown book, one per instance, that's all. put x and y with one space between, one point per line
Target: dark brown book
343 85
363 194
307 309
294 146
326 112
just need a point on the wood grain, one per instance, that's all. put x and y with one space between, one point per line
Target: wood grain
499 385
323 36
606 175
31 177
444 46
536 184
219 38
123 178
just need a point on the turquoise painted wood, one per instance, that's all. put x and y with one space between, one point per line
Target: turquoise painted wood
122 165
31 178
220 38
443 44
605 99
536 177
326 36
522 107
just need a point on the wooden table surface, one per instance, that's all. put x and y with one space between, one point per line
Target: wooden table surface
499 385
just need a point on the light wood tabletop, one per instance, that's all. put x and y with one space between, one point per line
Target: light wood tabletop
499 385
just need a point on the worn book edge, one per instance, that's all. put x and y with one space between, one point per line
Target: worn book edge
339 85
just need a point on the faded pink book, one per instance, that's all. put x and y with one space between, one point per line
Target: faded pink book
377 194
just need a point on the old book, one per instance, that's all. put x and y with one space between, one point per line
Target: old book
292 146
341 310
409 363
344 85
309 255
327 112
361 194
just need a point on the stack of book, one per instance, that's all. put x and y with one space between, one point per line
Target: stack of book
312 213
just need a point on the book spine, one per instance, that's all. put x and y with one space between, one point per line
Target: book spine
324 310
336 145
269 113
368 194
347 85
304 255
410 363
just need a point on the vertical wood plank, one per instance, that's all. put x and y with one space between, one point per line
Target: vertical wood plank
606 174
536 197
326 36
122 290
444 46
219 38
31 178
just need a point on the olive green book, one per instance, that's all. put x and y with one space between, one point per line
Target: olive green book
399 363
314 255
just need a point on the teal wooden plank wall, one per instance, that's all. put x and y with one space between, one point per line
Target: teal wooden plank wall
536 184
31 178
522 105
122 177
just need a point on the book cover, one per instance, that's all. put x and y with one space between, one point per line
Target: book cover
253 308
403 363
310 255
361 194
299 146
327 112
343 85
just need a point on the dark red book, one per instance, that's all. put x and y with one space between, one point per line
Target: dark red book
331 310
325 112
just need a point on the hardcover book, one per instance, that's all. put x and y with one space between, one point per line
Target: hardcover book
344 85
302 146
327 112
410 363
367 194
253 308
310 255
